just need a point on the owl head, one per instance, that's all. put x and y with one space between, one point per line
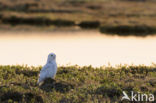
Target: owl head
51 57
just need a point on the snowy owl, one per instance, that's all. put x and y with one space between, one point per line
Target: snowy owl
49 69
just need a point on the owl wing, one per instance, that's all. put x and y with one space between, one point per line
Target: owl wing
54 66
43 74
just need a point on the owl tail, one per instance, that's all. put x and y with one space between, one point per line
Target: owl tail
39 81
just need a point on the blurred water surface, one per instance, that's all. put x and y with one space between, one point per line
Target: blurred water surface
75 47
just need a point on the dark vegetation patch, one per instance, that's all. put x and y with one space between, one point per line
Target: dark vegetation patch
74 84
135 0
38 21
52 11
59 22
61 86
1 16
42 21
29 97
109 91
14 96
124 30
94 7
89 24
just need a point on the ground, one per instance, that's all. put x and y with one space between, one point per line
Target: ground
74 84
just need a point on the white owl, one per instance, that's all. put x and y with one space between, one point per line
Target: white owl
49 69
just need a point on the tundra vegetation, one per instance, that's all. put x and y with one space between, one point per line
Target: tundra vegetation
74 84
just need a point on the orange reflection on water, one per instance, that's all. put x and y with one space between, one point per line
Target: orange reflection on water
80 47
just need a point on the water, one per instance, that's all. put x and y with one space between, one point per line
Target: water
78 47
